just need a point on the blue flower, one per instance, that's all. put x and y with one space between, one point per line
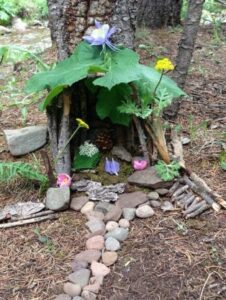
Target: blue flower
101 36
112 167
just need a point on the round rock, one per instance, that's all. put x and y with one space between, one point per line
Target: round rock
124 223
155 203
162 192
80 277
89 206
153 196
144 211
99 269
72 289
119 234
109 258
111 225
78 265
112 244
88 256
77 298
95 243
129 213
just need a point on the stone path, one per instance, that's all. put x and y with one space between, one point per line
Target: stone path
108 226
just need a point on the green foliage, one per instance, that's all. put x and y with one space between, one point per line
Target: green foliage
167 172
84 162
223 160
9 171
162 100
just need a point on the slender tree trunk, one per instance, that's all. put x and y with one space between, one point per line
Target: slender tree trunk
159 13
69 21
185 50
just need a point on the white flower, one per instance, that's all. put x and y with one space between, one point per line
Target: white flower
88 149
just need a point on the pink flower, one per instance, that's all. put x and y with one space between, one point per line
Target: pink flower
63 179
139 164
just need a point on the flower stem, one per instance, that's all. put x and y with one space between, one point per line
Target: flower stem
160 79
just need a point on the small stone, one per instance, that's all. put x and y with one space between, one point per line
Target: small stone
88 256
167 206
132 200
129 213
95 214
94 288
89 206
95 243
57 199
153 196
72 289
24 140
63 297
119 234
144 211
109 258
111 244
162 192
95 225
80 277
111 225
121 153
114 214
99 269
78 202
104 207
148 178
185 140
124 223
78 265
155 203
94 279
98 232
88 295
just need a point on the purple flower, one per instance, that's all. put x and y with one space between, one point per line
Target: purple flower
111 166
101 35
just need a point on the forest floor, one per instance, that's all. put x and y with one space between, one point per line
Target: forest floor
165 257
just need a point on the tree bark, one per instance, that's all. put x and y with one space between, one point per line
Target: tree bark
69 21
159 13
185 50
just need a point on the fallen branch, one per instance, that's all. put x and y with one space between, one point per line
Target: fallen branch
177 148
200 208
39 214
29 221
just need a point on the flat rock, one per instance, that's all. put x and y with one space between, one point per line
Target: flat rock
144 211
95 243
99 269
111 244
94 279
114 214
148 178
72 289
124 223
78 265
111 225
80 277
109 258
93 288
95 225
131 200
78 202
87 295
104 207
57 199
24 140
88 207
162 192
129 213
63 297
119 234
121 153
167 206
95 215
88 256
155 203
153 196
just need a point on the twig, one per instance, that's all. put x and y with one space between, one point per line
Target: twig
39 214
180 191
199 209
205 283
174 187
177 148
29 221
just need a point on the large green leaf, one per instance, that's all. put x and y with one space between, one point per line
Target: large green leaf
123 69
109 101
69 71
150 74
53 94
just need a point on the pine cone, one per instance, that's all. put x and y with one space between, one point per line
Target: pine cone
104 141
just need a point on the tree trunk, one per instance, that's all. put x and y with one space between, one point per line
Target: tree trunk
69 21
185 50
159 13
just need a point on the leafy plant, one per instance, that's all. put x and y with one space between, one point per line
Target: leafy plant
9 171
84 162
167 172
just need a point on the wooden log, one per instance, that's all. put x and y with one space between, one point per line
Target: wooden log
177 148
29 221
198 210
39 214
180 190
174 188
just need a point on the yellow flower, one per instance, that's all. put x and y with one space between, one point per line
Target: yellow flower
82 123
164 64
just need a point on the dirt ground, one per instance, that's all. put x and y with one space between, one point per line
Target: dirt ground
165 257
